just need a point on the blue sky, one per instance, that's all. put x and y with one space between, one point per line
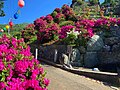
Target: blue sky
32 10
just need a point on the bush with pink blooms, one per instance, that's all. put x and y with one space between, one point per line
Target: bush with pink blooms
18 68
46 30
118 22
63 24
29 33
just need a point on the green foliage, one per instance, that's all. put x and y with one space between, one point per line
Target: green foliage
17 35
81 41
70 40
1 11
112 3
29 34
80 2
64 23
93 2
54 13
15 30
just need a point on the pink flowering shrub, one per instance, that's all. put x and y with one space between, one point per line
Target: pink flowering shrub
105 23
49 18
65 30
46 31
63 20
63 14
29 33
68 12
85 27
18 68
59 18
118 22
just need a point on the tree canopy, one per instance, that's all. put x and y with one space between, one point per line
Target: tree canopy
94 2
1 10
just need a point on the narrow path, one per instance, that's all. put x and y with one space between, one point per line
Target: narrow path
63 80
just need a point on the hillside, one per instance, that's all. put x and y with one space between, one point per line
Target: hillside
16 28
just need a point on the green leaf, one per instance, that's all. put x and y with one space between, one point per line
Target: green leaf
27 73
3 79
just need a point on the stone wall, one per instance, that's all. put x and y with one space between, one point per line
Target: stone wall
105 50
100 50
48 52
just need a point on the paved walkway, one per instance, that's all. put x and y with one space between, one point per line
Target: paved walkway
63 80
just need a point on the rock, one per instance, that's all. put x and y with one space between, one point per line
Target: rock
76 58
90 59
100 33
115 31
116 48
48 52
65 61
106 48
109 57
95 43
82 49
111 40
95 69
118 71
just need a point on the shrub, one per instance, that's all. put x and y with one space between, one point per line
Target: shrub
104 24
80 2
49 18
68 13
64 30
18 68
118 22
64 23
29 33
46 31
59 18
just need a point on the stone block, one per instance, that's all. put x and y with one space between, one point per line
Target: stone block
75 58
91 59
95 43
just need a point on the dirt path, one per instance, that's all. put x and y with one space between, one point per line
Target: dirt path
63 80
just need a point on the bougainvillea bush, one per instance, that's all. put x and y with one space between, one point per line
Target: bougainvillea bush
29 33
18 68
46 30
64 23
118 22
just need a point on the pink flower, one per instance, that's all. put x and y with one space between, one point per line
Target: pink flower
41 70
10 74
64 30
44 89
35 72
2 85
1 66
12 51
46 81
49 18
26 52
9 57
113 20
58 10
118 21
3 48
21 66
21 69
90 32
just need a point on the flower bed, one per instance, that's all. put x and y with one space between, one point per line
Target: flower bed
18 68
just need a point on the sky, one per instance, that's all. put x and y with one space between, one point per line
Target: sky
32 10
